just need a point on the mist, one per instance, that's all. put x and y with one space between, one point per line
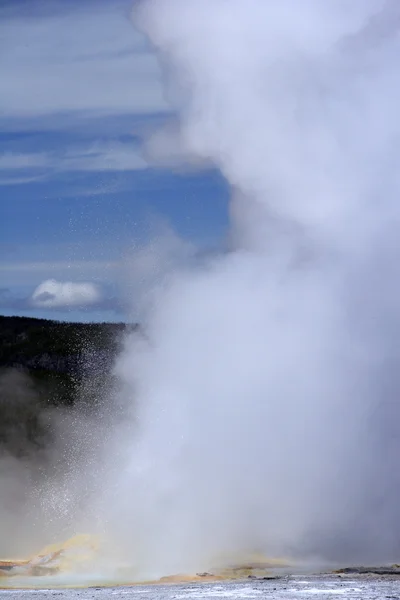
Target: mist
50 460
265 391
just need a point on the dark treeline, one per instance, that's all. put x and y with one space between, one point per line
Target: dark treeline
45 364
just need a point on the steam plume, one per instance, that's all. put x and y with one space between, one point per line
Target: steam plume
261 403
267 384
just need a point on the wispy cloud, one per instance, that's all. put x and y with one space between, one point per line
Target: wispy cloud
20 179
83 57
82 72
102 157
99 156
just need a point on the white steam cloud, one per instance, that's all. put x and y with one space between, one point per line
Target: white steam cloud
258 407
60 294
267 385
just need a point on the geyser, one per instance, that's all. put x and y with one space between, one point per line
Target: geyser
259 412
266 388
258 409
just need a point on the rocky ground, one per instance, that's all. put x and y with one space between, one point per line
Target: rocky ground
362 586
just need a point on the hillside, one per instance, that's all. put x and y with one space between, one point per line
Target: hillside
53 345
46 364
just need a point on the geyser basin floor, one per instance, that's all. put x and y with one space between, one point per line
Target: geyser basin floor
112 578
328 586
81 562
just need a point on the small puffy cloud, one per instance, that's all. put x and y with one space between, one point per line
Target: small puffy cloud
64 294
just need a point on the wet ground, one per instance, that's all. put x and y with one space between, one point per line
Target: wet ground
362 587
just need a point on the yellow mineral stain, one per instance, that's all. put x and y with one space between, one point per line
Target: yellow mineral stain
73 564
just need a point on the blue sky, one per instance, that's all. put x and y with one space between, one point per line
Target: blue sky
81 90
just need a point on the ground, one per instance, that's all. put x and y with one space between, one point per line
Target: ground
362 587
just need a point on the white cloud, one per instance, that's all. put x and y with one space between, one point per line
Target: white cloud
20 180
59 294
80 58
100 156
